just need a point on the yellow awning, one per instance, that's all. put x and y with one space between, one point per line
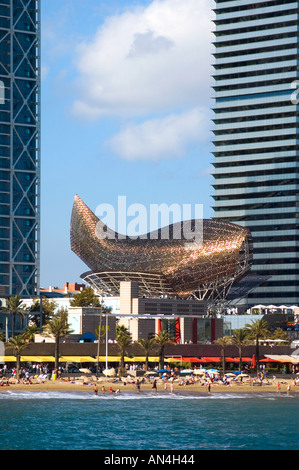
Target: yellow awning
37 358
78 359
101 358
153 359
112 359
129 359
82 359
142 359
30 359
8 358
47 359
139 358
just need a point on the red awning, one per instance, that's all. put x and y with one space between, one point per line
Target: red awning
191 359
205 359
186 359
199 360
211 359
237 359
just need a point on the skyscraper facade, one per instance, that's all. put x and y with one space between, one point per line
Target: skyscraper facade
19 146
256 152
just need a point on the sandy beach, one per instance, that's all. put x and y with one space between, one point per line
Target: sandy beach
88 385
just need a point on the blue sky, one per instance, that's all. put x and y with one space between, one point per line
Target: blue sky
126 111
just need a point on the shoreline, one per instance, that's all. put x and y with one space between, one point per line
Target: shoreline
197 388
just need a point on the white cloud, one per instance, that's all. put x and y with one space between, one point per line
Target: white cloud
155 139
150 59
147 43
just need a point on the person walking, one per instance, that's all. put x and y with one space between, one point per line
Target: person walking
154 387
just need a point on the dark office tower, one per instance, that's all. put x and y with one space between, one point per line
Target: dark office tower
19 146
256 176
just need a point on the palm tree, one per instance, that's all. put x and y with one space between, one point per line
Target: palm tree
30 332
59 328
162 338
147 345
14 306
240 339
17 343
280 334
48 310
257 330
124 339
224 342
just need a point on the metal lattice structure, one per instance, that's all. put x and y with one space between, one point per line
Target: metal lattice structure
19 146
162 266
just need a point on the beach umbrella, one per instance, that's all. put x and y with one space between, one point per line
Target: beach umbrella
109 372
199 371
187 371
253 362
163 370
152 372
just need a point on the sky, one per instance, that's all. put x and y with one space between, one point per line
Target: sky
126 111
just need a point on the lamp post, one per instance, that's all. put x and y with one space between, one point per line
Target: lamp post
106 342
99 336
41 314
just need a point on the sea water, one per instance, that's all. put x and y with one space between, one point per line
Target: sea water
131 421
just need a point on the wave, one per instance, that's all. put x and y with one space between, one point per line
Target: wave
51 395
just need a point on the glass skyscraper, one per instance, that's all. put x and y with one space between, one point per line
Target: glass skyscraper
256 152
19 146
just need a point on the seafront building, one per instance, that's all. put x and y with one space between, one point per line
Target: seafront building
186 320
256 183
19 147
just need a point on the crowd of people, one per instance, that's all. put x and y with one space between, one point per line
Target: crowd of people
154 379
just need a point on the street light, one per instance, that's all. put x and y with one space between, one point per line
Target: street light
106 342
99 336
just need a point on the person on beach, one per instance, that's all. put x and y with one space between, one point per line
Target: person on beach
103 390
154 387
165 387
171 387
138 386
278 387
95 389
